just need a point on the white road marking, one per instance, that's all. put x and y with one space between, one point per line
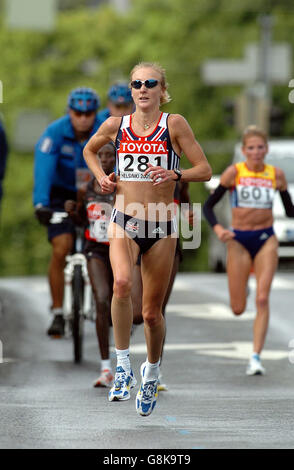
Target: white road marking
279 283
233 350
207 311
7 359
37 284
198 283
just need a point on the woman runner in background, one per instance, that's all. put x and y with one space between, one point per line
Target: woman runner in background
251 242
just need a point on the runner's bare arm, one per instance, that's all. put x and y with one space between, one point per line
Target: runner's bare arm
228 176
105 134
226 181
183 141
281 180
182 134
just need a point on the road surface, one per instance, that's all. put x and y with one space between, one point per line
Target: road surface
48 402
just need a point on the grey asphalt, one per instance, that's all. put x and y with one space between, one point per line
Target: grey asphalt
48 402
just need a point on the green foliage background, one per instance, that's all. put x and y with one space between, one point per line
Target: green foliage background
39 69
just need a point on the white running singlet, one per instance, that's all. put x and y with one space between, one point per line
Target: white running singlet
135 152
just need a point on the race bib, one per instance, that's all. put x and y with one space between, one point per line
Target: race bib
257 193
134 156
99 219
99 230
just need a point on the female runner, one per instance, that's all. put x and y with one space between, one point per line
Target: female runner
252 241
149 144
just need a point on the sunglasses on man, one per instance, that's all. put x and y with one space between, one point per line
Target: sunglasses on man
137 84
85 113
121 105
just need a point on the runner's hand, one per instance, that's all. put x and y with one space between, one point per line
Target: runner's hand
223 234
107 183
158 174
70 206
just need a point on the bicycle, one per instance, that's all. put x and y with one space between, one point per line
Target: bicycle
78 303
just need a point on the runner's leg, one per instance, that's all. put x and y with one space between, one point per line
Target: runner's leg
136 293
101 281
156 269
239 263
175 269
265 264
123 256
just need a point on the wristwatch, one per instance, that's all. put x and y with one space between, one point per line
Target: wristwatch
179 174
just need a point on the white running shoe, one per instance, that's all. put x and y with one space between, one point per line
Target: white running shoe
105 379
123 383
147 395
255 367
161 386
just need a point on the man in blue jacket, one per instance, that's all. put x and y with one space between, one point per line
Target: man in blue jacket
58 156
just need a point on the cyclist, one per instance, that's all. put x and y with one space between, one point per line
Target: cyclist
93 209
120 102
251 242
143 183
58 155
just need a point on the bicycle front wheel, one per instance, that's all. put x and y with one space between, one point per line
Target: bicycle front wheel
78 316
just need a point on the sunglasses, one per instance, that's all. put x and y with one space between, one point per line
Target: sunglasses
121 105
85 113
137 84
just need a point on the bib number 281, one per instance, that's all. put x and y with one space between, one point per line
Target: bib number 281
132 167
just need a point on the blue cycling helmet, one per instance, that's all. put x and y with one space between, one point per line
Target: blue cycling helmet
83 99
120 93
